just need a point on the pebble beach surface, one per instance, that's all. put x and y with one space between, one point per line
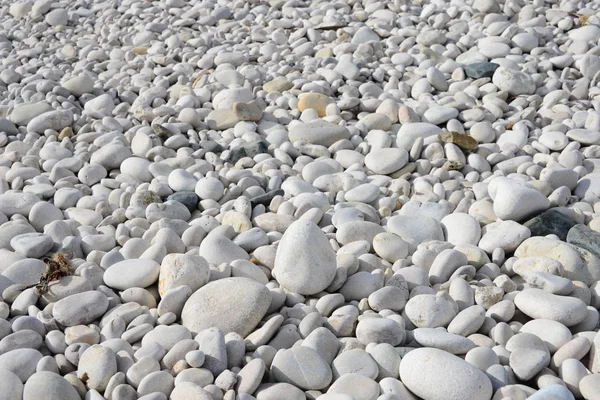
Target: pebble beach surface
299 200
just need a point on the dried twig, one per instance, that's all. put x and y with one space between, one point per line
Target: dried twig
57 266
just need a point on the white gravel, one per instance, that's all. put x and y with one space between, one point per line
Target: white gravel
314 199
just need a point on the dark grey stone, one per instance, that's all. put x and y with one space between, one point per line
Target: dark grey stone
551 222
480 70
586 238
265 199
187 198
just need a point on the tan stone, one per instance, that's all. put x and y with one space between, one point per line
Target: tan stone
324 53
65 133
463 141
316 101
452 165
238 221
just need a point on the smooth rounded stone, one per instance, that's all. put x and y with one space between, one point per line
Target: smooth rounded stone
357 386
276 391
32 245
576 348
588 386
23 113
461 228
468 321
551 222
240 222
187 198
549 283
318 132
64 287
212 343
445 264
131 273
588 186
365 193
554 334
241 311
81 308
182 269
17 203
96 366
390 247
507 235
482 358
555 392
516 201
539 304
446 376
12 387
354 231
577 265
316 101
302 367
110 156
431 311
79 85
218 249
55 120
23 339
21 362
442 340
57 17
380 330
100 106
480 69
440 114
386 161
250 377
278 85
528 355
514 82
389 298
301 271
324 342
157 382
190 390
355 361
361 285
409 132
209 188
415 230
48 385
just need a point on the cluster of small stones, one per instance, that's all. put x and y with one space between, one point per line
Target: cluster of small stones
301 199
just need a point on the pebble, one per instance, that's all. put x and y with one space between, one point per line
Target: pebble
246 305
386 161
447 376
96 366
516 201
80 309
132 273
301 272
48 385
293 202
538 303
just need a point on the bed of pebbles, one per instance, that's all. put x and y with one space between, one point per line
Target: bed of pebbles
328 199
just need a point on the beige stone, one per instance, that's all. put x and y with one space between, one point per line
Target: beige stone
278 85
316 101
